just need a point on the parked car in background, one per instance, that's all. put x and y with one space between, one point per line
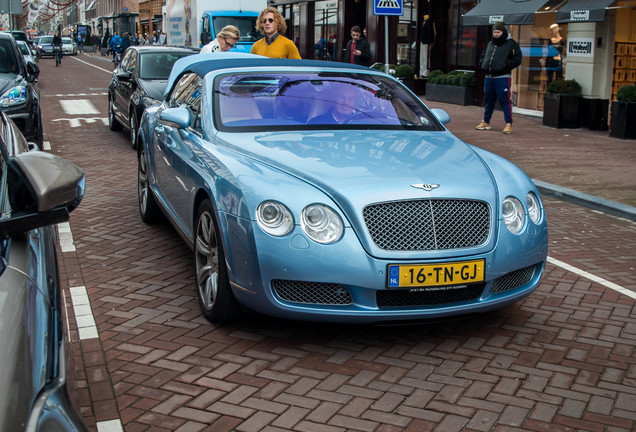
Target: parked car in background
37 377
19 96
316 190
45 46
69 47
28 53
139 81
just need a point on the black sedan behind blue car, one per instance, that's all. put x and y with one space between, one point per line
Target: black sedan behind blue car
138 82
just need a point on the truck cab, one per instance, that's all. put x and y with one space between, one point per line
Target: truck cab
213 21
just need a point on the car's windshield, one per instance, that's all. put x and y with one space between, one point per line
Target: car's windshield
46 40
246 26
318 100
67 40
157 65
8 62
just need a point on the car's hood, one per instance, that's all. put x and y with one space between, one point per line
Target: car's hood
154 88
356 168
8 81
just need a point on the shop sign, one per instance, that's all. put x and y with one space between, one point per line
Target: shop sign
580 15
493 19
581 47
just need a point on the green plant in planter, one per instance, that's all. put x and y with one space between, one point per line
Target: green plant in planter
626 94
435 76
568 87
404 71
106 38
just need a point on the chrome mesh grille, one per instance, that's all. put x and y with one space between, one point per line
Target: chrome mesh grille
312 292
428 224
413 298
513 279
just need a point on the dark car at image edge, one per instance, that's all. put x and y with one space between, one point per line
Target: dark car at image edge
37 383
19 97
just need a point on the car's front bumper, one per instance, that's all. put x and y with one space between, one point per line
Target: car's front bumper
295 278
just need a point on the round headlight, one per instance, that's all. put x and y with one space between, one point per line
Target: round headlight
274 218
321 223
513 214
14 96
534 209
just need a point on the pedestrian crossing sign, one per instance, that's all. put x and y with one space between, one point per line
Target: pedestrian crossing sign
388 7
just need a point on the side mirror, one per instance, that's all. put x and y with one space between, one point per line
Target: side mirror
124 76
43 189
206 37
33 70
441 115
176 117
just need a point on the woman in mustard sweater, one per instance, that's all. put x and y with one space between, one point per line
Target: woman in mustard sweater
271 23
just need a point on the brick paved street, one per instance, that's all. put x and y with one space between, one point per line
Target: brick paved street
564 359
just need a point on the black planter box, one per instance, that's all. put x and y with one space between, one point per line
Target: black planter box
561 111
594 114
450 94
623 120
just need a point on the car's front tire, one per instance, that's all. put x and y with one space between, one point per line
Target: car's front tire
148 208
213 286
113 123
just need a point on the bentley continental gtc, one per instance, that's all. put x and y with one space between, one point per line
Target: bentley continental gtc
329 192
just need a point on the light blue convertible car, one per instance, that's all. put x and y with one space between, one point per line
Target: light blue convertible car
325 191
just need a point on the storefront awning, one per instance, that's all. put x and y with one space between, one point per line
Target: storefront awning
583 11
488 12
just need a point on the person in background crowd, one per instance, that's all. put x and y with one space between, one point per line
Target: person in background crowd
125 42
225 40
358 50
501 56
272 24
115 45
80 42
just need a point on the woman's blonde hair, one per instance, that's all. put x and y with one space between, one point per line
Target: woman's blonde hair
229 32
281 25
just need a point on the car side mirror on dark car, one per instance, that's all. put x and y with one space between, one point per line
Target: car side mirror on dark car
33 71
43 189
124 76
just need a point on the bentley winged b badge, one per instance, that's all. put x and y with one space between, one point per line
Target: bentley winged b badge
426 186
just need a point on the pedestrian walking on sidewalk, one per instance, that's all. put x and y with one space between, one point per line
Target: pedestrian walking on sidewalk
501 56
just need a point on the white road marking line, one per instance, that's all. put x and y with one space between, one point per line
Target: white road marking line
593 278
83 313
66 237
110 426
78 107
96 67
77 122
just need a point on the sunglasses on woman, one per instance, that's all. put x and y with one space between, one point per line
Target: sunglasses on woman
231 45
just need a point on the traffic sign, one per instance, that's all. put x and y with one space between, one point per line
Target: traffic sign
388 7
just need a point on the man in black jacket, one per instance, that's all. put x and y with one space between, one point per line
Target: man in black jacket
501 56
358 50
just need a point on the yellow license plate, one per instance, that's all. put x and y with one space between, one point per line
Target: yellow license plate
441 274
